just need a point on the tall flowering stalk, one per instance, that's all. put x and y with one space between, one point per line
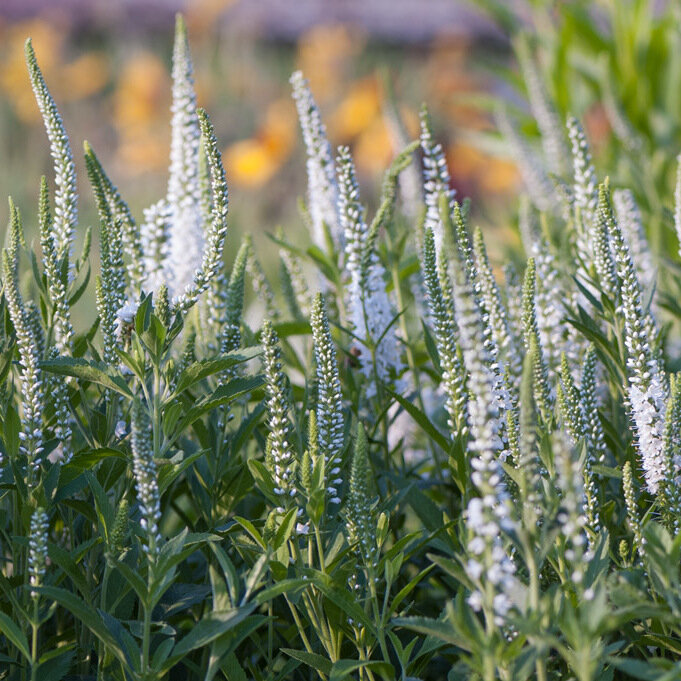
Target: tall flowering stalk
589 393
585 189
534 176
573 411
184 191
603 257
631 501
63 330
436 181
231 334
670 495
646 389
280 455
631 224
111 203
31 436
216 233
371 314
572 516
66 196
494 308
548 121
37 550
359 509
543 393
110 286
488 515
321 175
446 333
329 405
146 481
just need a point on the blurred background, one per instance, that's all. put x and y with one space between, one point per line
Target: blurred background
108 66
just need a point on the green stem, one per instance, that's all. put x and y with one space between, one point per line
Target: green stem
320 549
34 641
102 605
146 641
377 615
156 406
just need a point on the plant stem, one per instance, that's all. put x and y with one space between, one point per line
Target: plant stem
146 640
102 605
34 640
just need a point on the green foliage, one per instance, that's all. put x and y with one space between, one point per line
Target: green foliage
405 469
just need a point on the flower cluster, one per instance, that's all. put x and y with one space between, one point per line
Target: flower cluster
37 550
329 405
280 455
146 481
359 508
370 312
31 435
436 182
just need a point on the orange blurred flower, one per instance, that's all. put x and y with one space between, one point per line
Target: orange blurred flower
472 169
140 102
323 53
597 126
252 162
249 163
373 150
449 74
499 177
202 15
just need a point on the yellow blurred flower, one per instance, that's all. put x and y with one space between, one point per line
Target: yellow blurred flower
280 127
249 163
356 111
373 149
85 76
252 162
